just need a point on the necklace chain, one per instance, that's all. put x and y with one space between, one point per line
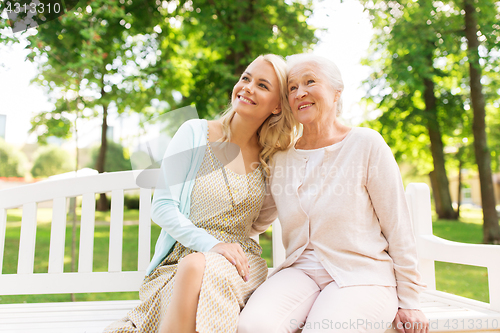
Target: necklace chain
224 174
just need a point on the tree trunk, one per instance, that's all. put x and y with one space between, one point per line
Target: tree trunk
435 191
491 229
441 186
102 204
459 192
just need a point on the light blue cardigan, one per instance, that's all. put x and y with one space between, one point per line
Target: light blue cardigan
172 197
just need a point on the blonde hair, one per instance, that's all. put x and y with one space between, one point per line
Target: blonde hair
327 68
278 131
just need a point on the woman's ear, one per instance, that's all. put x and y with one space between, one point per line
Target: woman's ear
277 110
337 95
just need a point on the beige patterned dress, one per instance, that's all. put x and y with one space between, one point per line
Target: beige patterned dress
225 204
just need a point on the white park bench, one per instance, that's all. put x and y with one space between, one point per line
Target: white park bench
446 312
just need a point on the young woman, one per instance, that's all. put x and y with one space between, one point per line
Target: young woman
206 204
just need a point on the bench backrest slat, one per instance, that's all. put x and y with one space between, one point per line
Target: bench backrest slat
3 229
116 232
143 255
27 239
87 233
418 198
57 236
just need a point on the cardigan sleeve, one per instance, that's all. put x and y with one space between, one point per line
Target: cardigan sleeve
174 178
386 191
267 215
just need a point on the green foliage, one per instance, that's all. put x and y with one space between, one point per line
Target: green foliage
424 40
151 57
117 158
402 60
47 124
133 55
51 160
12 161
225 36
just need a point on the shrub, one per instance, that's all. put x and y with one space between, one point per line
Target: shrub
131 201
117 158
51 160
12 161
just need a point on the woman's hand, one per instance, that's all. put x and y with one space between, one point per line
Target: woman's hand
411 321
234 253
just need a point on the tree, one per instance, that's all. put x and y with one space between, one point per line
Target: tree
51 160
459 36
491 229
12 161
92 57
404 87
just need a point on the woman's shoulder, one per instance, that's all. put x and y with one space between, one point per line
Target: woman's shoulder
281 155
215 130
192 128
365 135
194 125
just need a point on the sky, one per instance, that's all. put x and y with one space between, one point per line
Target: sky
345 40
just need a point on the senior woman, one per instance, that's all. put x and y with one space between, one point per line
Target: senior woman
351 261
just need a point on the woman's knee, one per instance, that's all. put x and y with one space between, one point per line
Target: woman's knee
192 264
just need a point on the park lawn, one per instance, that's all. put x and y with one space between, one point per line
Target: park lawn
461 280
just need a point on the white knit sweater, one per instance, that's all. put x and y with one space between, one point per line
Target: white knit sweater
359 224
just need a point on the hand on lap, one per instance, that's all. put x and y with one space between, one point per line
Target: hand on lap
234 253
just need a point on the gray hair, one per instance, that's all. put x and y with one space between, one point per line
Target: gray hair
327 67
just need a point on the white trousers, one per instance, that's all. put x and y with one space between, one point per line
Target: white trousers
308 300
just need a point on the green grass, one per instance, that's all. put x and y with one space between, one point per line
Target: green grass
468 281
463 280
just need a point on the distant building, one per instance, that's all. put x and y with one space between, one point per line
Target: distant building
3 123
471 188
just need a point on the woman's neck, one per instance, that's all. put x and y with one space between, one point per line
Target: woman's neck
244 133
321 135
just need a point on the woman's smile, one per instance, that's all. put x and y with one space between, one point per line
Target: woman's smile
246 100
305 105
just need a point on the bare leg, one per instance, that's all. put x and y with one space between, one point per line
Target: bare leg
180 316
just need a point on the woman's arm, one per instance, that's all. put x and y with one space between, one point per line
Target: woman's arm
267 215
174 179
386 191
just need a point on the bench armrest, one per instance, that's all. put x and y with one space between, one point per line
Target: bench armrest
439 249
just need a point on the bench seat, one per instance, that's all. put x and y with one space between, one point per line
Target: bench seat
446 313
